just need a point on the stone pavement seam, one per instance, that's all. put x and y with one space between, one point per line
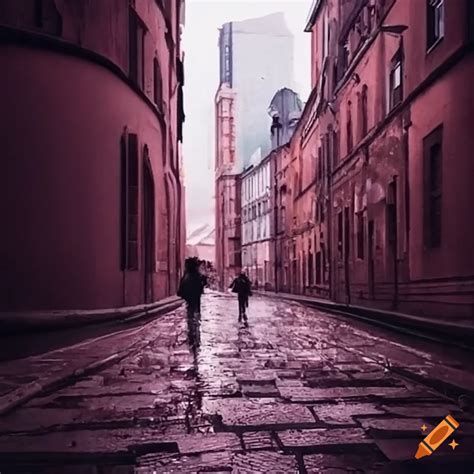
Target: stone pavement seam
28 391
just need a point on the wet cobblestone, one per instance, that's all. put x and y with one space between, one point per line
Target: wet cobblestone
297 391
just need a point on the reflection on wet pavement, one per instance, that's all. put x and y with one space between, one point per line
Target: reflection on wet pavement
296 391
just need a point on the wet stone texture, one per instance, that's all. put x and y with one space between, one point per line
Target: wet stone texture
297 391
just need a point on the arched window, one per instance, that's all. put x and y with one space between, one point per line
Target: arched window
157 84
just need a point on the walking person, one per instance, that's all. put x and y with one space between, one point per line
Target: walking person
191 289
242 286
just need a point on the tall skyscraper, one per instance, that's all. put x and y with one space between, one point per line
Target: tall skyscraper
256 60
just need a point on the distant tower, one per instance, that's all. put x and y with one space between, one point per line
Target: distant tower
256 58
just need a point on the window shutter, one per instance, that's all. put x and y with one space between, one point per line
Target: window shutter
132 259
123 203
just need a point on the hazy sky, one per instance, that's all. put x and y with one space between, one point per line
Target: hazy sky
203 19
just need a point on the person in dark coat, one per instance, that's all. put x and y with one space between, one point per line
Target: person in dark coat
242 286
191 289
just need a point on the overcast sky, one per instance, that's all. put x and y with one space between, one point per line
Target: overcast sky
203 19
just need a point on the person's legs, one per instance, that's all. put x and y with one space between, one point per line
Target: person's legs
190 320
241 307
245 306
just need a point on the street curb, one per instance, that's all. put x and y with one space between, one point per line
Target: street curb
396 321
33 321
25 393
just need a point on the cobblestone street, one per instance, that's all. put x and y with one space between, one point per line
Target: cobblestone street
297 391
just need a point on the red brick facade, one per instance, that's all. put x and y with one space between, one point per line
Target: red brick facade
378 178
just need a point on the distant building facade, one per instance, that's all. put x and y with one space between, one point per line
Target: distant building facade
256 59
256 215
92 112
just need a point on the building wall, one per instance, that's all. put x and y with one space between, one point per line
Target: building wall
371 206
227 189
228 229
256 59
256 214
70 124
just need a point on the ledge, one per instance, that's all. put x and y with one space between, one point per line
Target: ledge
13 322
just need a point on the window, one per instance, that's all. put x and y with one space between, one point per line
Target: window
129 201
434 22
303 259
310 269
349 137
396 86
365 118
339 234
326 154
347 233
227 70
325 37
392 213
320 163
47 17
136 49
157 84
360 234
335 148
324 273
433 153
318 268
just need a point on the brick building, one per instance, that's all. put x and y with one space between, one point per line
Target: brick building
92 112
256 59
379 172
256 215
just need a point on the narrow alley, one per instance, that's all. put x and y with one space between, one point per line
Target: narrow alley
298 391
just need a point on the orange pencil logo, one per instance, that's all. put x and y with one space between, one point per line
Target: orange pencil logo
437 437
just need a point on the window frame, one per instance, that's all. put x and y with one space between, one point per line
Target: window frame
435 23
432 193
364 110
360 235
349 129
136 61
396 64
130 178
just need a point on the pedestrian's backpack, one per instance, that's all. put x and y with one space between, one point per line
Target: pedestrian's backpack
190 287
240 286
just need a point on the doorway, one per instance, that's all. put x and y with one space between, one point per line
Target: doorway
148 231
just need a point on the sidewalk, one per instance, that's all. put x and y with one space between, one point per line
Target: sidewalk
459 331
14 322
23 379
